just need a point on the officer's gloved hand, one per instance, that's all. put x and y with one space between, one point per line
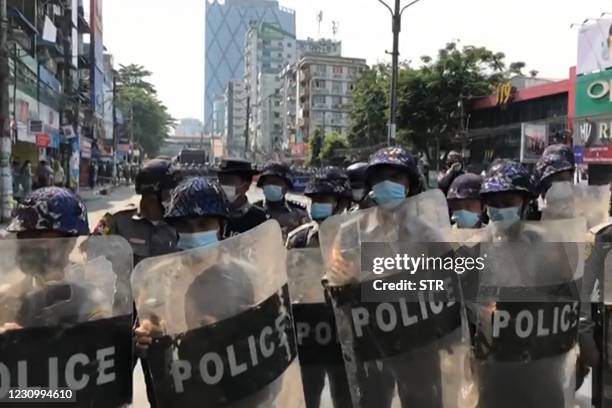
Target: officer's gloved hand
147 330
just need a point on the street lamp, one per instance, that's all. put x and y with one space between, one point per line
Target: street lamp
396 21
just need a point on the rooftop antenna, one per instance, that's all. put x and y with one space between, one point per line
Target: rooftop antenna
319 20
335 28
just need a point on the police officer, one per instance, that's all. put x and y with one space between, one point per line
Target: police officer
144 228
330 192
50 212
506 191
454 168
276 181
235 177
464 201
556 164
357 176
392 175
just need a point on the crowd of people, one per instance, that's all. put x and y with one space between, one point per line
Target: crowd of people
183 211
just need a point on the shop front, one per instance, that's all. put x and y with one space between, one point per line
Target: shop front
593 125
85 163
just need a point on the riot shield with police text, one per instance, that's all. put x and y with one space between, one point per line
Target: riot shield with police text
223 327
318 347
403 340
66 321
524 315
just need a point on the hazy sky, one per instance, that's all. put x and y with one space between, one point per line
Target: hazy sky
167 37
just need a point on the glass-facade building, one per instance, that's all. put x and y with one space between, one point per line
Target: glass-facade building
226 26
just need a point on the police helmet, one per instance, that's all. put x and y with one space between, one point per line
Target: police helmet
197 197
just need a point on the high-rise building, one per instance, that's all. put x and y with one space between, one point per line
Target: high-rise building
325 89
226 25
268 50
188 127
235 119
291 134
218 116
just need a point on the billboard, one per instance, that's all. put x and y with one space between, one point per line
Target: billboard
534 139
595 47
97 58
594 94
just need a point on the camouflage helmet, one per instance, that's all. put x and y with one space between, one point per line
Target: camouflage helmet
197 197
399 158
51 209
555 159
357 172
277 169
331 181
157 175
507 175
465 186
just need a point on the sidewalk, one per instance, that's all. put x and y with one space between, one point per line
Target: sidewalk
88 194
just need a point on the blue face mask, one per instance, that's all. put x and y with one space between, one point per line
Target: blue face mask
465 219
510 214
197 240
387 193
320 211
273 192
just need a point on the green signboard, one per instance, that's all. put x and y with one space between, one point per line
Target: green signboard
594 94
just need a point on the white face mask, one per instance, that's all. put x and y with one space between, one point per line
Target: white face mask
230 192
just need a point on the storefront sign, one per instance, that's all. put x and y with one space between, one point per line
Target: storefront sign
594 94
43 140
591 133
601 154
504 93
85 145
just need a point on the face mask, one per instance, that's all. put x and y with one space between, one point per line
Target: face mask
510 214
358 194
387 193
465 219
320 211
230 192
197 240
273 193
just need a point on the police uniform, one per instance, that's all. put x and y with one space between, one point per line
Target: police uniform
289 214
146 239
328 181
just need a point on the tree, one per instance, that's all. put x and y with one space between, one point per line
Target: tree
147 118
133 76
369 108
315 146
433 97
332 142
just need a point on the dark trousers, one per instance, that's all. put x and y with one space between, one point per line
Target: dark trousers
313 378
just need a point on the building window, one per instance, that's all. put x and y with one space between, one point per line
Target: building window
337 87
337 69
318 115
336 101
319 84
320 69
319 100
277 115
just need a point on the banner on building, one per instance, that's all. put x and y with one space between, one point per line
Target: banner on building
85 146
534 139
594 94
595 47
598 155
591 132
43 140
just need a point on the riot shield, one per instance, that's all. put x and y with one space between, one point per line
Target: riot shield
401 346
66 322
224 329
318 348
565 200
525 314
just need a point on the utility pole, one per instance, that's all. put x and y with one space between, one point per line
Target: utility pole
6 182
246 129
396 26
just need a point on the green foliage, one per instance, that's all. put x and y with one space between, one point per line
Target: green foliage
315 146
432 98
332 142
145 115
369 108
